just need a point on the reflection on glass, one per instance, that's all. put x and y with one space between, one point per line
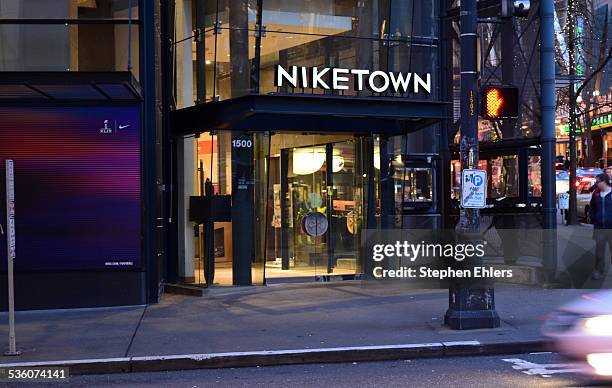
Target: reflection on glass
315 213
91 47
413 18
211 168
455 180
535 176
504 177
350 34
67 9
417 184
320 17
262 203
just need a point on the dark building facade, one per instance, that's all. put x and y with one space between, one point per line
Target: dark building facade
80 86
236 142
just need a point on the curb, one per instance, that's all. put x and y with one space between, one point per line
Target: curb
289 357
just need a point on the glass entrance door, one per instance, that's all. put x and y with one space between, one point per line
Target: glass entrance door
299 213
316 207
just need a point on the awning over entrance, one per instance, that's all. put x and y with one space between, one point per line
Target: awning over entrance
55 86
310 113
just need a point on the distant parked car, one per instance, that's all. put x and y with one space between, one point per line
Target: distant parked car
582 331
583 196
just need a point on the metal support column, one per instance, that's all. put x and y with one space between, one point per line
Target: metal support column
329 167
385 184
470 308
548 103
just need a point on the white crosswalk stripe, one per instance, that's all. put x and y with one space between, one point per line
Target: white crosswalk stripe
544 370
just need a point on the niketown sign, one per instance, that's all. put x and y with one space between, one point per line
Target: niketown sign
335 78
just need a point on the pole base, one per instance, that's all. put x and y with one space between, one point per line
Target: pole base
473 319
10 354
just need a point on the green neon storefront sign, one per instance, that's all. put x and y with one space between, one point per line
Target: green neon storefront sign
600 122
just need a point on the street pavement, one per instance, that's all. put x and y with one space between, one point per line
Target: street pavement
543 370
297 316
291 317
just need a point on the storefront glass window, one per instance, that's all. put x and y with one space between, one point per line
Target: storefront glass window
350 34
414 186
262 204
31 43
325 17
535 177
315 51
504 177
211 171
413 19
316 206
68 9
185 73
311 180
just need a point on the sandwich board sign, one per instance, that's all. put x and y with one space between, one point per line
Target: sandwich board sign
473 188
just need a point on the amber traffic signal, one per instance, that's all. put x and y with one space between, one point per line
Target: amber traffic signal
500 102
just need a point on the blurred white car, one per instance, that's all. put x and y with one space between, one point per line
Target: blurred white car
583 197
582 330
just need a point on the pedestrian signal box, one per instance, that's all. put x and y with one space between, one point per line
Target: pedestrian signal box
499 102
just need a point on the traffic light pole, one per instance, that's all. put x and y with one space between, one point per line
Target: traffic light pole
548 106
470 308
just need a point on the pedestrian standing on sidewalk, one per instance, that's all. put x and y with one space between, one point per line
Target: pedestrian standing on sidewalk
601 214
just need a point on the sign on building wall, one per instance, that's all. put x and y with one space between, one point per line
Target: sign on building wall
336 78
78 184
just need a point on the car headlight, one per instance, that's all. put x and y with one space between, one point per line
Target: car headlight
599 325
601 362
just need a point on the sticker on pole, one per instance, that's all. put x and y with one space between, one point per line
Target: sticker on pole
473 188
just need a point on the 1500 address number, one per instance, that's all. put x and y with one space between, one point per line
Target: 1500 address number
242 143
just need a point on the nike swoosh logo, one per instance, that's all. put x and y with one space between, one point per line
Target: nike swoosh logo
123 126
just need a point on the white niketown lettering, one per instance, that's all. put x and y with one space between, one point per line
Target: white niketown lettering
378 81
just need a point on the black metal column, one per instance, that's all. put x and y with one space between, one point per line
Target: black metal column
445 55
547 80
369 172
385 184
369 202
507 68
329 169
152 187
243 212
469 308
169 146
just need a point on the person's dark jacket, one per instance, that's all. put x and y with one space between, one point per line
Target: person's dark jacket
601 210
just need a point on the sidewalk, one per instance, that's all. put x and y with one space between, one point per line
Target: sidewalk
283 317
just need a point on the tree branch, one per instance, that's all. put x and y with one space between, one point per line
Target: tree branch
594 73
